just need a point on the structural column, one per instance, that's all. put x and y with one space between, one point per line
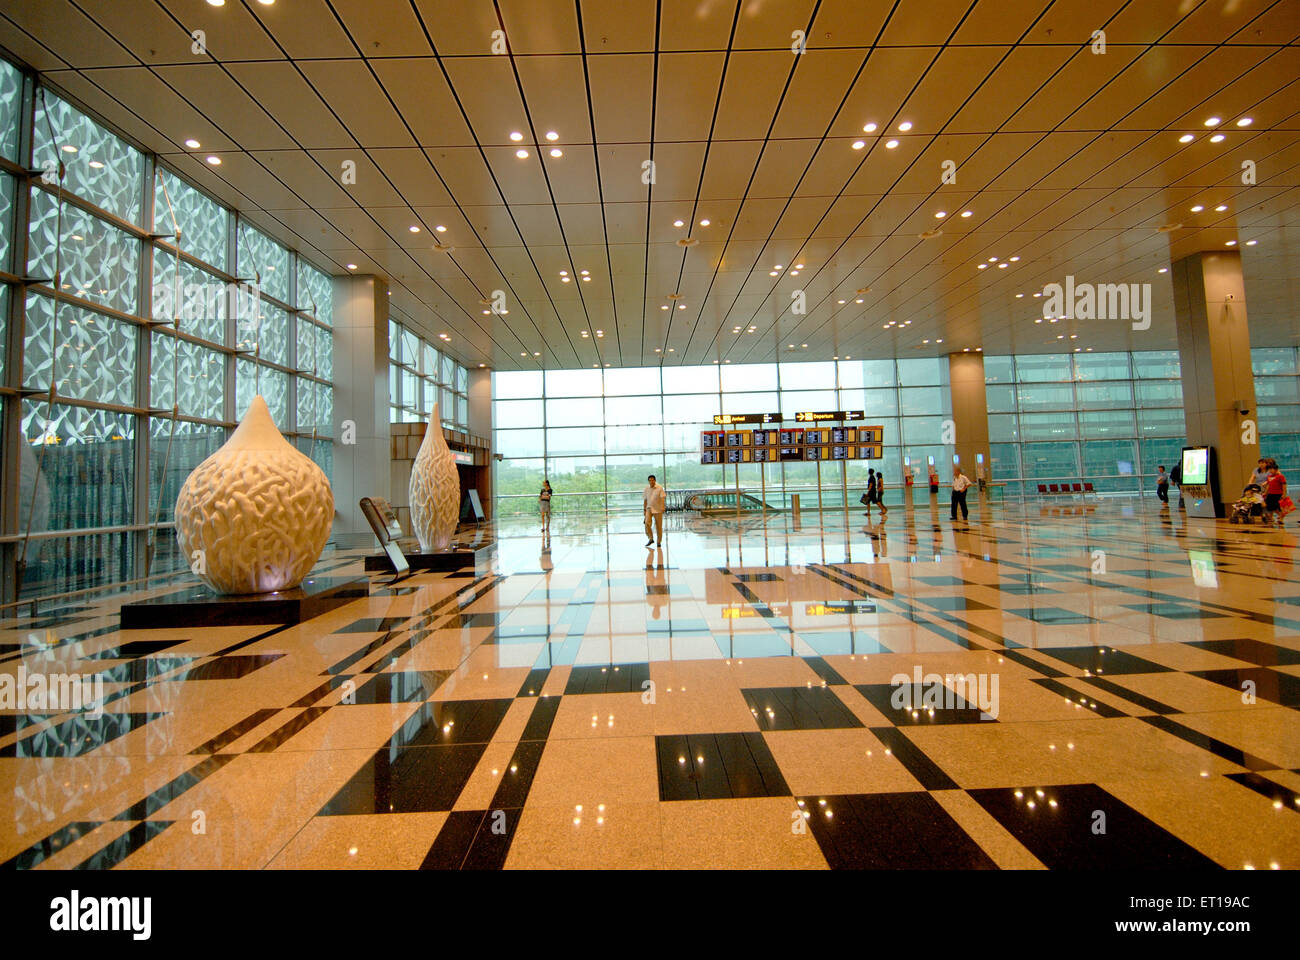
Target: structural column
970 415
480 423
362 453
1214 351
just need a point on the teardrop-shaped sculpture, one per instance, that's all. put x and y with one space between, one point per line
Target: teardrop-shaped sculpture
435 489
254 516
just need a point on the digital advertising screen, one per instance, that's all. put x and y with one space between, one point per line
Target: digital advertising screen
1196 466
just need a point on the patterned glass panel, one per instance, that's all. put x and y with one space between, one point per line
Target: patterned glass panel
171 459
201 296
429 366
263 261
448 375
100 167
306 405
462 379
325 410
325 354
410 349
11 93
99 262
84 479
315 293
96 354
6 220
253 378
306 345
4 332
203 223
200 373
320 450
262 329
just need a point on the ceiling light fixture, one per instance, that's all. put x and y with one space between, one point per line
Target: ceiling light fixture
705 223
1212 122
216 3
440 228
552 135
1245 122
1251 243
1221 208
940 214
679 223
982 266
890 144
516 136
352 266
556 152
1217 138
905 126
1231 243
214 161
521 154
1198 208
192 143
859 144
965 213
869 128
1186 138
413 229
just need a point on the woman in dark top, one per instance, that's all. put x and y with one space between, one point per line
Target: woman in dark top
544 505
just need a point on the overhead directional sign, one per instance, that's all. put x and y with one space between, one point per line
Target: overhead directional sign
811 416
727 419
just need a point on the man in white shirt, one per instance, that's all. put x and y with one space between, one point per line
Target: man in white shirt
655 500
960 483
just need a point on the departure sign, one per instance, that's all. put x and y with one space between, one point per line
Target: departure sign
727 419
812 416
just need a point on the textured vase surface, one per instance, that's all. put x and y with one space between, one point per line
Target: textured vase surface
259 510
435 489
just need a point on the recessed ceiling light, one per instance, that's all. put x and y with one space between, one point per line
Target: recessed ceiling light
965 213
1163 270
890 144
794 273
352 266
586 279
679 223
552 135
681 306
663 306
1231 243
804 345
440 228
905 126
266 3
1198 208
413 228
982 266
839 301
516 136
1217 138
939 341
859 144
859 300
521 154
940 214
1251 243
556 152
1002 266
1020 296
1014 259
774 273
216 3
192 143
1212 122
486 312
214 161
869 128
584 272
564 279
1220 208
705 223
1186 138
798 266
1245 122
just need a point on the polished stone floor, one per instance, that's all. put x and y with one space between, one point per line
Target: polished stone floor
1101 685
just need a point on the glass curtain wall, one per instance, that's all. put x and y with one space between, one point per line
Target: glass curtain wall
1105 418
141 317
1277 394
596 434
420 376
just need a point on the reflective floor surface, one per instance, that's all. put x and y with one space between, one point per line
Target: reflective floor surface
1100 685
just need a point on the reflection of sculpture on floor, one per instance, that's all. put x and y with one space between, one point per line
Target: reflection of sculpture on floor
254 516
434 491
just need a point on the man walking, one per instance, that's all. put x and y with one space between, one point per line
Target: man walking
654 500
960 483
1162 485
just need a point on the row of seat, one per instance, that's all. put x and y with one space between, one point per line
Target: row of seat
1069 489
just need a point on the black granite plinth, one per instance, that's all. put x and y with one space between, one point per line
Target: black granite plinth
202 606
453 558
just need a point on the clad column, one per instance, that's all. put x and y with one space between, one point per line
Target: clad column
480 423
969 415
361 414
1214 350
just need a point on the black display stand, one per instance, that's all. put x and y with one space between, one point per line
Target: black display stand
201 606
453 558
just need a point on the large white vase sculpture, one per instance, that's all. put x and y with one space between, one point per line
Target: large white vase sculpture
435 489
255 515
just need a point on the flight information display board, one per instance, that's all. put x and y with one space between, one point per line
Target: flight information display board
792 444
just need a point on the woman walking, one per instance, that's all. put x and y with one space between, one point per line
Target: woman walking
544 506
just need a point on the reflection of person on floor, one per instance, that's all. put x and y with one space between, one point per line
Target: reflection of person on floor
656 582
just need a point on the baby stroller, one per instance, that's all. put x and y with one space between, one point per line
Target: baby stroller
1250 507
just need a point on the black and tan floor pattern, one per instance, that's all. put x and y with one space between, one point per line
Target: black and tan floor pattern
728 701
